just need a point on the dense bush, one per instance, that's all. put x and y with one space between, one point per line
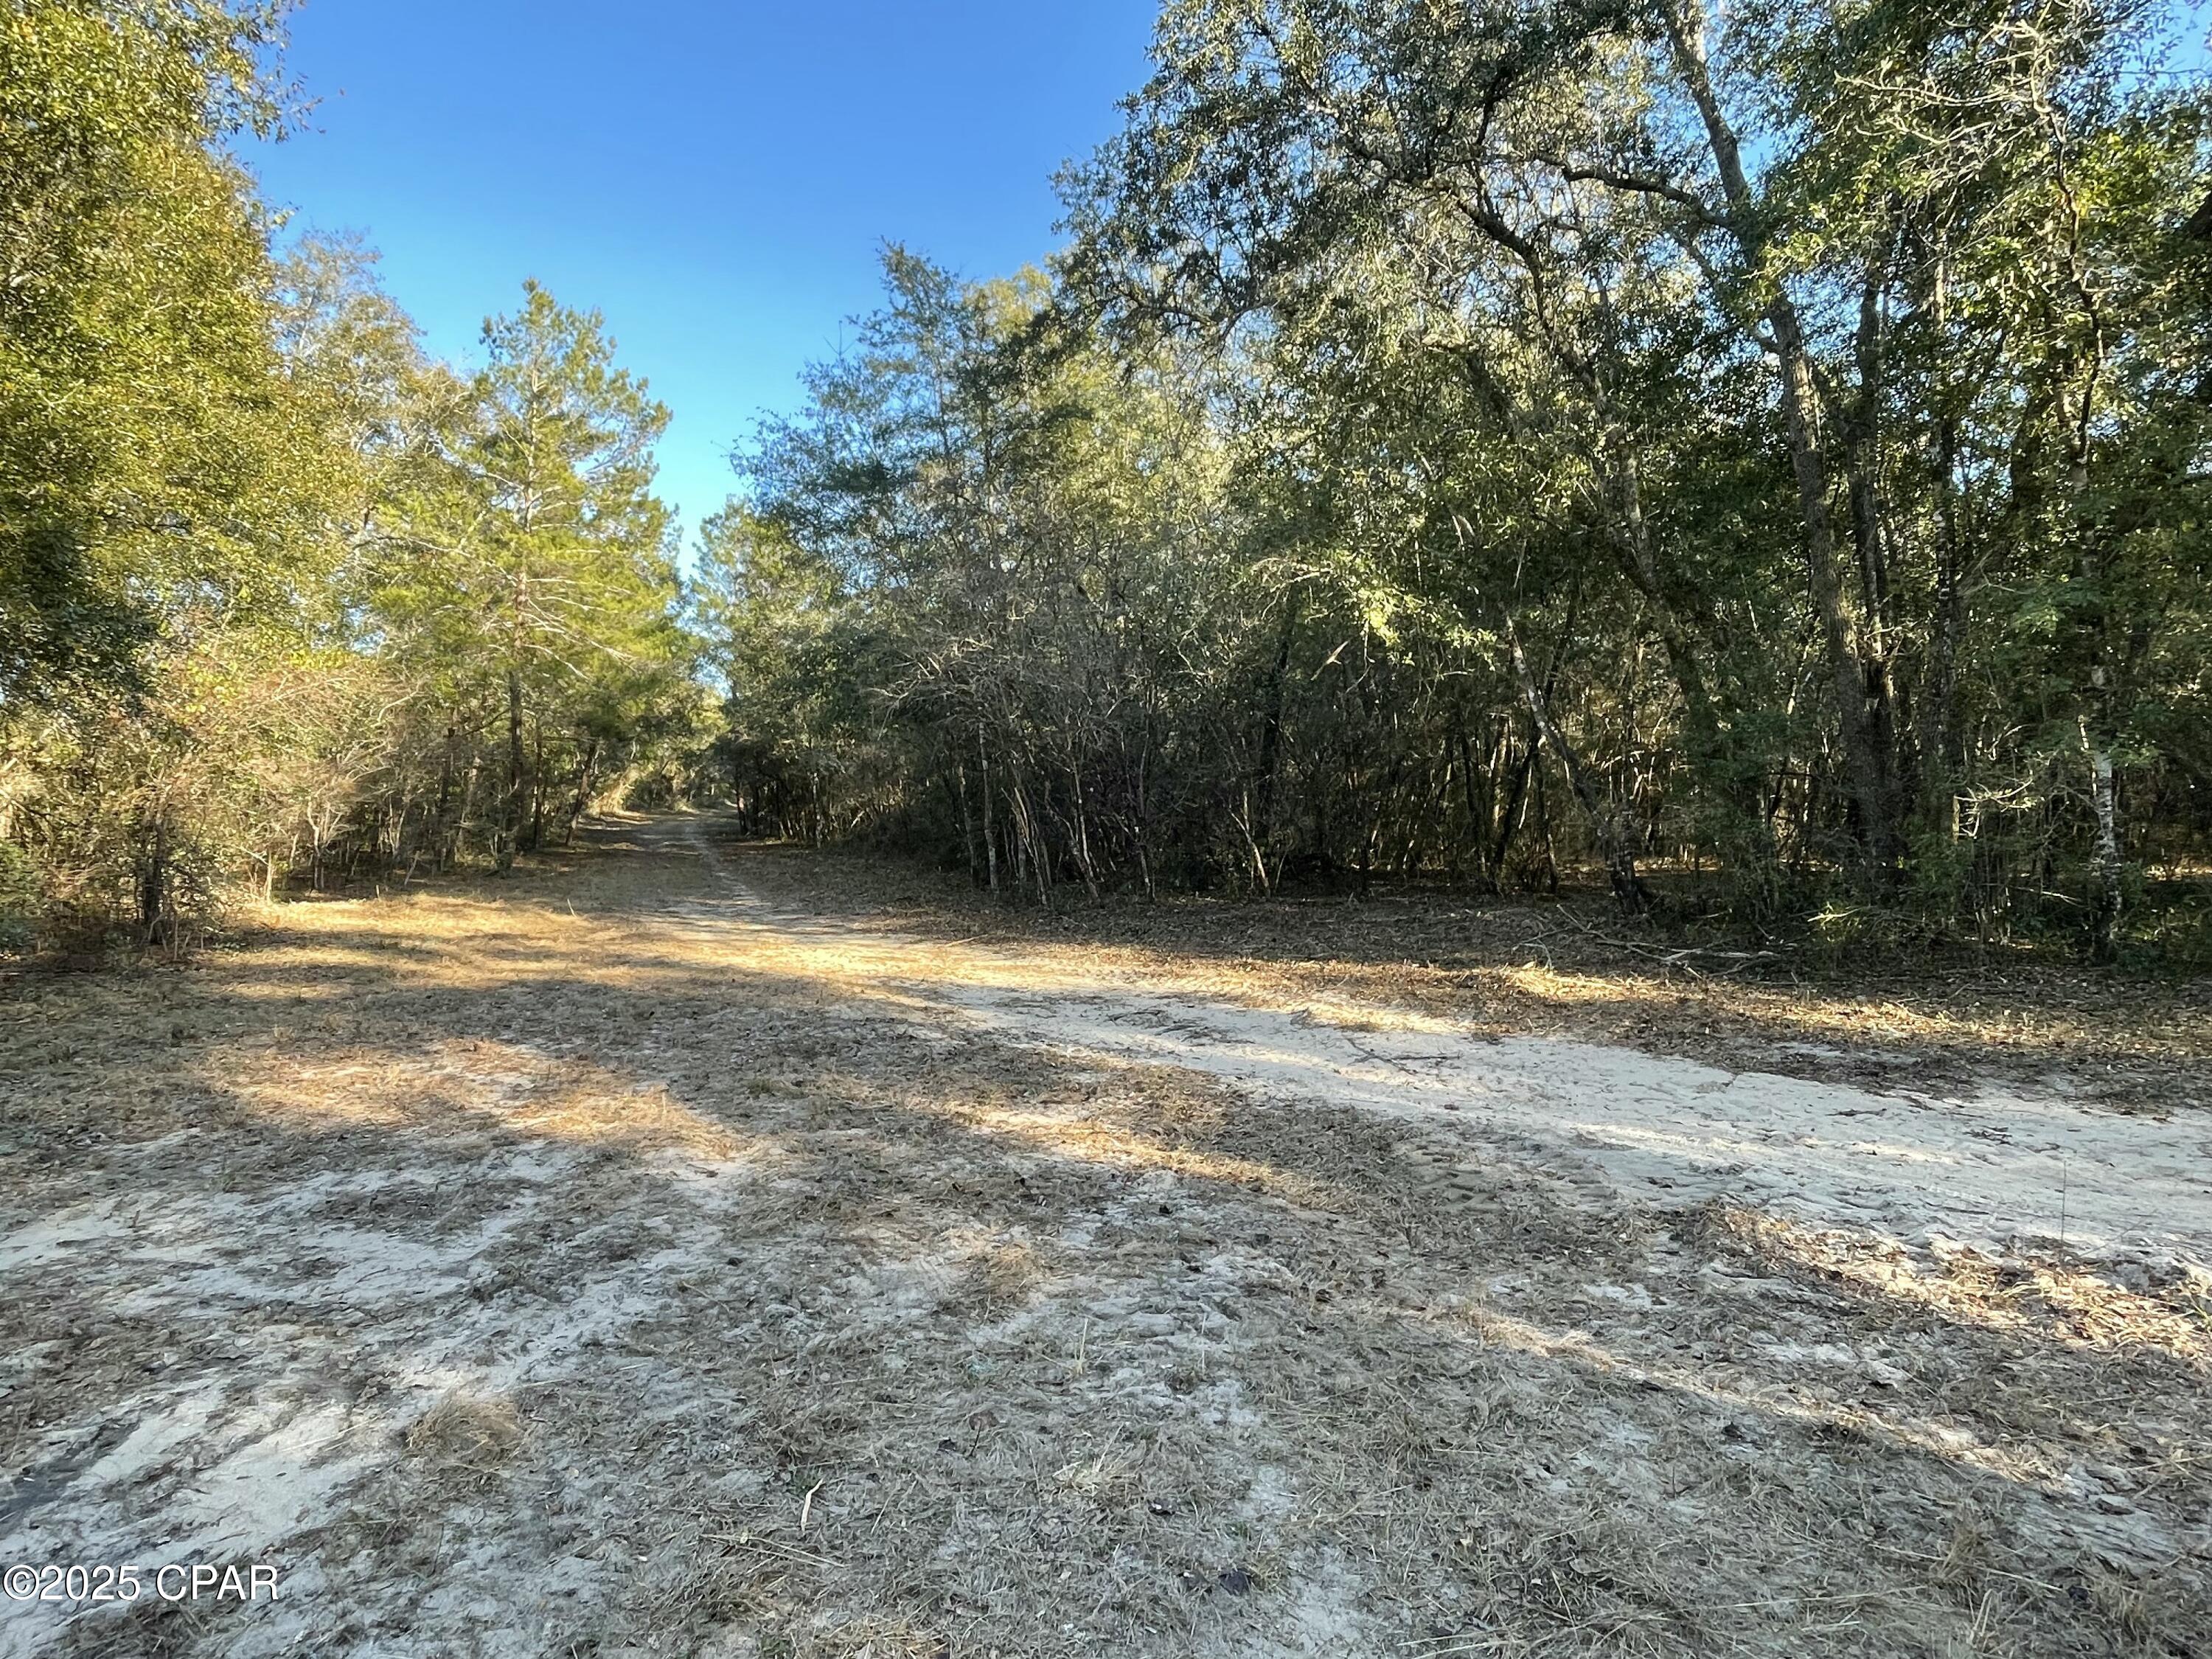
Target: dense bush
1462 442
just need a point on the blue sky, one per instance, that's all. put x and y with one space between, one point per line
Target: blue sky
716 178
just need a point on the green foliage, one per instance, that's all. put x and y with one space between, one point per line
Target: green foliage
1462 442
138 459
267 574
1466 438
526 562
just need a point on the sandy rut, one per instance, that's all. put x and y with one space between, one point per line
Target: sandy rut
634 1259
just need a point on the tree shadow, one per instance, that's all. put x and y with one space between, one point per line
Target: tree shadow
1513 965
642 1185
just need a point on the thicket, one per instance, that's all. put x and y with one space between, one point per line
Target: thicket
1475 440
1759 456
282 601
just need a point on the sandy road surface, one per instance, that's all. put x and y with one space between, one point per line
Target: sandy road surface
1996 1169
623 1261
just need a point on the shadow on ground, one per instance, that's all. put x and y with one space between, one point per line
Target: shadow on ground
575 1267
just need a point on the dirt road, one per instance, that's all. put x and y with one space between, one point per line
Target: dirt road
629 1260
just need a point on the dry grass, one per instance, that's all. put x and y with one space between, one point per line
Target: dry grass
1557 968
2168 1313
839 1329
466 1433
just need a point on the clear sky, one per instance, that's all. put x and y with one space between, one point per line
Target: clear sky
716 177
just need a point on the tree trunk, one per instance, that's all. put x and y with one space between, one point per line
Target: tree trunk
1614 844
2105 900
510 830
967 824
1937 706
990 839
439 824
537 788
583 791
1869 775
154 883
1261 831
1509 820
466 816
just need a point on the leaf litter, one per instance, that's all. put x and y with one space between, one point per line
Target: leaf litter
640 1257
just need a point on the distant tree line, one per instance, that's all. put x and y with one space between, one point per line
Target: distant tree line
282 600
1479 439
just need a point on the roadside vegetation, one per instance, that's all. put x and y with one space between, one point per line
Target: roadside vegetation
282 600
1756 464
1500 446
1457 898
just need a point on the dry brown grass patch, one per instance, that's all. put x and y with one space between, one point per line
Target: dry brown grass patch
1531 967
464 1432
774 1309
2044 1295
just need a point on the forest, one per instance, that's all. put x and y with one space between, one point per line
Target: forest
283 603
1451 896
1755 465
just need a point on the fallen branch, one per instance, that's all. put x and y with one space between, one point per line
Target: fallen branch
1685 957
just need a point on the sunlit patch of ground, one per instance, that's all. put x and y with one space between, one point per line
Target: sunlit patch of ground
617 1261
1533 967
2122 1307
